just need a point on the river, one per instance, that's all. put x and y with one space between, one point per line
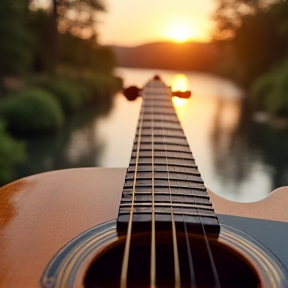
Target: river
239 159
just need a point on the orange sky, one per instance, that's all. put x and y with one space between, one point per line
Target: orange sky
134 22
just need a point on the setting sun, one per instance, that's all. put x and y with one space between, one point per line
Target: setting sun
180 33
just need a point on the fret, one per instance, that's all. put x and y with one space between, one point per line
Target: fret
185 191
164 161
161 209
163 219
171 185
160 147
171 118
166 199
154 93
159 102
158 179
167 211
172 166
151 97
162 140
163 202
184 206
166 113
160 129
166 176
162 133
155 105
163 174
161 150
161 126
157 108
124 215
165 145
159 153
164 120
163 180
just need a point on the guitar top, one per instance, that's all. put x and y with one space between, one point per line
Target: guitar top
41 215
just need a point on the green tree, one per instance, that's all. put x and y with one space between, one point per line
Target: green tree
15 38
11 154
78 17
258 35
229 15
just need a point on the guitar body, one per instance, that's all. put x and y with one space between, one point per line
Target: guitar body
41 214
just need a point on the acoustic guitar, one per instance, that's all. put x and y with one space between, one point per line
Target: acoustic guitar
151 225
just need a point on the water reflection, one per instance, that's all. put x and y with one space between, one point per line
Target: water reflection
74 145
239 159
180 83
267 144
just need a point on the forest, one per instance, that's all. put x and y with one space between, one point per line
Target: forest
51 67
252 36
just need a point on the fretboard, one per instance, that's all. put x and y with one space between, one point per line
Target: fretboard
162 178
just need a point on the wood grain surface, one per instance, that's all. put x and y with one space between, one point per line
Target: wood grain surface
42 213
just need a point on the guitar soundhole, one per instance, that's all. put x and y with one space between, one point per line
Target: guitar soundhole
232 269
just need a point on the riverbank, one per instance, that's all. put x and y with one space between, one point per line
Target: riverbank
42 107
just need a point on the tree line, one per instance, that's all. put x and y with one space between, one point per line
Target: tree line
253 37
51 67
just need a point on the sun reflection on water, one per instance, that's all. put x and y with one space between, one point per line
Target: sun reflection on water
179 83
179 102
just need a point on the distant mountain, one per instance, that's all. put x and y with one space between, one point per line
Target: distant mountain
167 55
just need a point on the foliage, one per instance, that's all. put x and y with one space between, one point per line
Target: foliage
66 93
12 153
74 94
15 38
270 90
78 17
72 51
31 111
258 42
39 27
86 54
102 85
229 15
257 35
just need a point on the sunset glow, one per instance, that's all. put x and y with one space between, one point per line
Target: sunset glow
180 33
179 83
179 102
132 23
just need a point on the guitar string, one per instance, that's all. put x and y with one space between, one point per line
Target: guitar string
175 246
153 237
213 266
211 258
125 262
124 272
189 252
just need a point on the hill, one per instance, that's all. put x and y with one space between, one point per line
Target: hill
167 55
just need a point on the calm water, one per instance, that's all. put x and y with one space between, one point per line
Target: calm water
239 159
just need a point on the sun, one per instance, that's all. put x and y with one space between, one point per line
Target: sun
180 33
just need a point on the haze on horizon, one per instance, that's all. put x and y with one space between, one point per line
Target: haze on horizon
136 22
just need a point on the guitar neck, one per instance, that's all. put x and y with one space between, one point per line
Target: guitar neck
162 181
